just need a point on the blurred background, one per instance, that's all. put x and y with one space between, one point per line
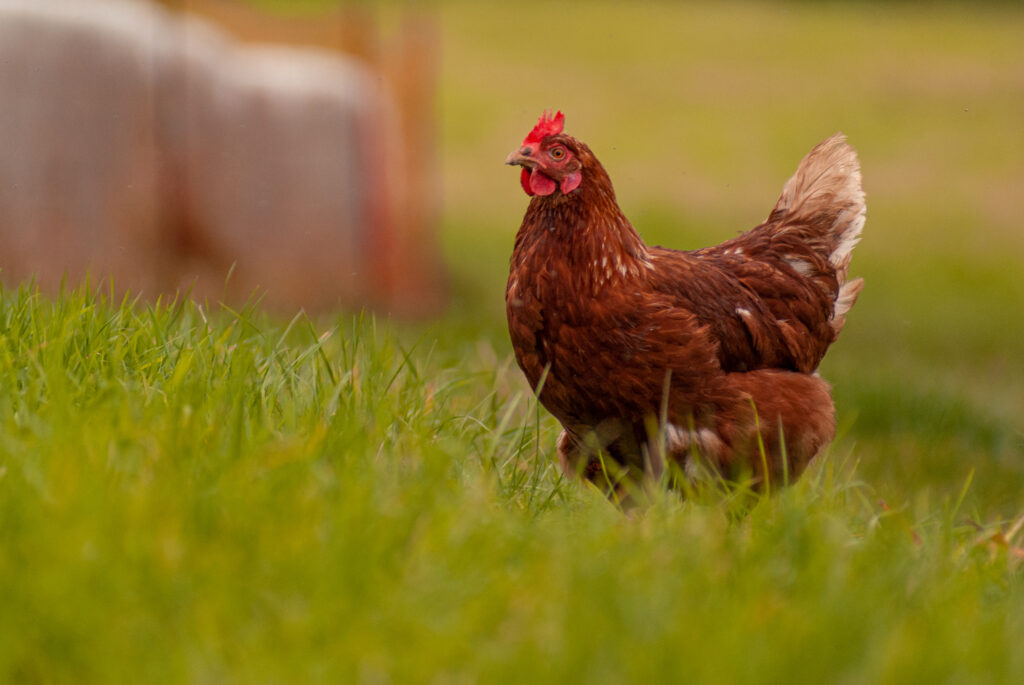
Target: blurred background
699 111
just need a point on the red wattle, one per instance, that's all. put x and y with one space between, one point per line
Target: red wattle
524 179
541 184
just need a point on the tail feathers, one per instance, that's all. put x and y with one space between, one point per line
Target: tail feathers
824 202
848 293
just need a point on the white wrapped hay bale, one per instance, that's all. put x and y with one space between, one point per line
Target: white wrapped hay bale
285 172
153 150
79 167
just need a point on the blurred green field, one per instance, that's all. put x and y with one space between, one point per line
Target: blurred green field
200 495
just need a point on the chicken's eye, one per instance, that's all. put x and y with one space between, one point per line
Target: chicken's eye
557 153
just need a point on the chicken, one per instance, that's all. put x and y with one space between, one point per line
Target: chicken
649 356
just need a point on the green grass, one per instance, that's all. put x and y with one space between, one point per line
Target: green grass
208 496
199 494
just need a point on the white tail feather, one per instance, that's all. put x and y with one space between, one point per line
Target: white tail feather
847 296
825 197
824 201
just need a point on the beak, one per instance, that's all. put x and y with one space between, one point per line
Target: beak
517 157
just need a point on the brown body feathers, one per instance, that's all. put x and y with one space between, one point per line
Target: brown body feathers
650 355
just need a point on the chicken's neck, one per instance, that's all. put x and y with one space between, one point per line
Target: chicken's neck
587 230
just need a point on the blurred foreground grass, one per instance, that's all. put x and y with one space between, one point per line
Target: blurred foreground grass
205 496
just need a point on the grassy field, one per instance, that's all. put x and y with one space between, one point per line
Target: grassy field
214 498
197 494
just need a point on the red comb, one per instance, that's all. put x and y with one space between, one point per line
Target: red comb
546 126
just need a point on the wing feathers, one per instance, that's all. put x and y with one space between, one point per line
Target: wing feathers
795 265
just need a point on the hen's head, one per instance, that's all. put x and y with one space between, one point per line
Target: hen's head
550 159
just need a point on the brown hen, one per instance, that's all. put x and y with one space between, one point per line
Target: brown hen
648 355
